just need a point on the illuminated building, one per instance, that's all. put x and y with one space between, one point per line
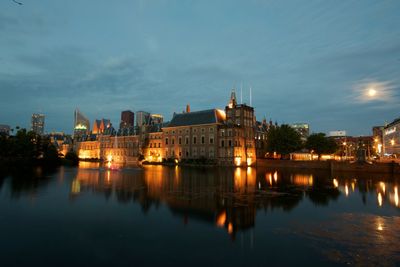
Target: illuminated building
156 119
100 126
81 124
377 134
303 129
192 135
37 123
236 144
391 139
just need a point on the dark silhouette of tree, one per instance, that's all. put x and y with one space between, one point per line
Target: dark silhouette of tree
320 144
283 140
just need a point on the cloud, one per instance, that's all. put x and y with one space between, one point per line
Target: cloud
370 91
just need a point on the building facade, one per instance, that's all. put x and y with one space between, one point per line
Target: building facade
391 139
81 124
37 123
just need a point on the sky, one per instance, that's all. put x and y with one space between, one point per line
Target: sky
332 64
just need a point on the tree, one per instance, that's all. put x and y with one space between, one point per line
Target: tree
321 144
283 140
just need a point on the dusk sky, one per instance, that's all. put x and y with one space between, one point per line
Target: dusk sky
332 64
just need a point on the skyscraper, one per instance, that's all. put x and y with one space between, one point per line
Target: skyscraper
127 119
37 123
81 124
142 118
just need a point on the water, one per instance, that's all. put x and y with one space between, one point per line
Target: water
174 216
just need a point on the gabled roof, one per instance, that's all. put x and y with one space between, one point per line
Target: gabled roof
208 116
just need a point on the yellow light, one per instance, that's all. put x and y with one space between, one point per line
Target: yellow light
380 200
346 190
382 185
249 161
371 92
335 183
109 158
396 196
392 142
344 143
275 176
176 161
238 161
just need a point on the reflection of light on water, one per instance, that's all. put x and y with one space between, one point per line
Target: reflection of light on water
303 179
379 224
353 185
109 164
335 183
396 196
259 185
108 175
76 187
221 219
275 176
380 200
346 190
230 228
382 185
268 177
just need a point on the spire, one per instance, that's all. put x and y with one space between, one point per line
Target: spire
232 101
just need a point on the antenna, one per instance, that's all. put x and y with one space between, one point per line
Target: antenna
250 96
241 93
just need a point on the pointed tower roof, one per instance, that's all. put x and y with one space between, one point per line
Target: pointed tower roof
232 100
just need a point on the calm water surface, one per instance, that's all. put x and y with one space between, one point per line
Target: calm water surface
174 216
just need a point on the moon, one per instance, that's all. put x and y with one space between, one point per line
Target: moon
371 92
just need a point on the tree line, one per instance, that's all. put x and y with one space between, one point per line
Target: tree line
284 140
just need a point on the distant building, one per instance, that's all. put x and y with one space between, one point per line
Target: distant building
81 124
156 119
391 138
37 123
4 129
339 133
142 118
127 119
101 126
377 134
303 129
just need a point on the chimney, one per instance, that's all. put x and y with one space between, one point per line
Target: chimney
187 108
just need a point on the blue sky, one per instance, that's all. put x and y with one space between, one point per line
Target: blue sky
306 61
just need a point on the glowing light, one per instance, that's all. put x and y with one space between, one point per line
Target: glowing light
396 196
176 161
275 176
249 161
346 190
238 161
353 185
109 158
371 92
380 227
380 200
335 183
221 219
382 185
269 178
392 142
230 228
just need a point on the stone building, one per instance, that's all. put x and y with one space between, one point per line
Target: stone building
391 139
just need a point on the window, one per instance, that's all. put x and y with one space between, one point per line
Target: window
159 144
194 140
166 141
222 143
229 143
211 140
186 140
202 139
151 145
211 129
173 141
173 132
180 140
202 130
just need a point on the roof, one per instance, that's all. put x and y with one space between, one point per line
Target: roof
396 121
208 116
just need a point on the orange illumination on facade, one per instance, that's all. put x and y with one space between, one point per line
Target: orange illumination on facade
230 228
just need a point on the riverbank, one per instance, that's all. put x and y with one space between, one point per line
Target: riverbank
333 166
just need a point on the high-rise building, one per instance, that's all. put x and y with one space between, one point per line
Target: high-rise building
303 129
127 119
391 138
37 123
81 124
156 119
142 118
